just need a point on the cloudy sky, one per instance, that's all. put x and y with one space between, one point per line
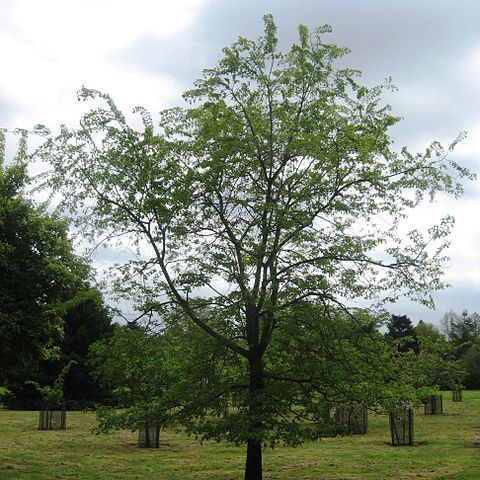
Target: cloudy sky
148 51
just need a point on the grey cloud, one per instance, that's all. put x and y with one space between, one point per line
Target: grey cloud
417 43
182 60
457 298
107 257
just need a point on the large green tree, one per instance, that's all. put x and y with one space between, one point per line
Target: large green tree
40 272
49 312
85 321
277 184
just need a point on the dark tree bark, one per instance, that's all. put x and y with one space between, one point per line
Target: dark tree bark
253 464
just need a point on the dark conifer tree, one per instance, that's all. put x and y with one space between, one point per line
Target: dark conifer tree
400 327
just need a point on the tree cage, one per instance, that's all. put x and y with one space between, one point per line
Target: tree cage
50 419
457 394
353 419
401 427
433 404
149 435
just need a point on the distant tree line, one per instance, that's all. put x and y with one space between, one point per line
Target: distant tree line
449 354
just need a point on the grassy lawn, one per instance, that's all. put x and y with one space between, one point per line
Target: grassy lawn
448 447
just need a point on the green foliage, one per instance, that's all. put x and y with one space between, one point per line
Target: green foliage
266 191
84 324
40 274
87 321
401 329
437 362
135 365
463 331
53 396
471 363
428 330
164 376
434 359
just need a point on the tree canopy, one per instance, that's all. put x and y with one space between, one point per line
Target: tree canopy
428 330
49 312
277 184
40 272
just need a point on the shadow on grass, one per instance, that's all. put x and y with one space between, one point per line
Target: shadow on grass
420 443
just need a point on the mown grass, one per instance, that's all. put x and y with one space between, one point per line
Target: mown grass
447 447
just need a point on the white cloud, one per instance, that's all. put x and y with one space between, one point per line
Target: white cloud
464 264
468 67
470 147
57 29
51 48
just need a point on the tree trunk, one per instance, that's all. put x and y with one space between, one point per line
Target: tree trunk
253 464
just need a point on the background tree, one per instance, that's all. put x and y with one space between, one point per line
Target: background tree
400 328
437 364
428 330
463 329
427 353
463 332
49 313
471 363
84 323
39 272
263 193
